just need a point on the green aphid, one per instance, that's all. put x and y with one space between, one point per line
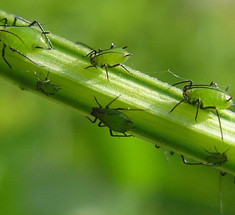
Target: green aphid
23 39
45 85
112 118
109 58
213 159
216 158
206 97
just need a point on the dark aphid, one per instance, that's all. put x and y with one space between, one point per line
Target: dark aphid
216 158
112 118
206 97
45 85
108 58
213 159
23 39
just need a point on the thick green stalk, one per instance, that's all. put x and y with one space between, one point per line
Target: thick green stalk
176 131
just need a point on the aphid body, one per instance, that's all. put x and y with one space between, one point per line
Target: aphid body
109 58
213 159
206 97
216 158
209 96
45 85
23 39
112 118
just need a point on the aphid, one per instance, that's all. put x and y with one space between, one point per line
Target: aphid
109 58
213 159
206 97
45 85
23 39
112 118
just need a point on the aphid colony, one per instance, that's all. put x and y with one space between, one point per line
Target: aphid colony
24 39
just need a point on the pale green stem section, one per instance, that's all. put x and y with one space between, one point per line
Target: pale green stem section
176 131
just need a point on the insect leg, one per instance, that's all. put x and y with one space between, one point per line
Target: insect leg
119 135
217 112
20 53
186 162
127 135
101 125
125 68
32 24
93 121
5 21
43 31
119 64
20 18
107 106
177 105
106 70
3 55
91 53
90 66
198 101
227 88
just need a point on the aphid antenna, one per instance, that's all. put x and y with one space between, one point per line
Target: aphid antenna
216 149
83 44
91 53
175 74
46 79
97 102
226 150
182 82
107 106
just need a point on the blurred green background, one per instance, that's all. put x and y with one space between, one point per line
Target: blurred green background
53 161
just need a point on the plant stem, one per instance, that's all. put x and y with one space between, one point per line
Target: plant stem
176 131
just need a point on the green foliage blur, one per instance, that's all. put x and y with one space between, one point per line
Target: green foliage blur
53 161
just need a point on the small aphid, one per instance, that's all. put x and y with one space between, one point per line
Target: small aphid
45 85
216 158
23 39
213 159
112 118
109 58
206 97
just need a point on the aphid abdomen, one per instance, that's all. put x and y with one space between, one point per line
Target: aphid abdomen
210 97
26 38
115 120
109 58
